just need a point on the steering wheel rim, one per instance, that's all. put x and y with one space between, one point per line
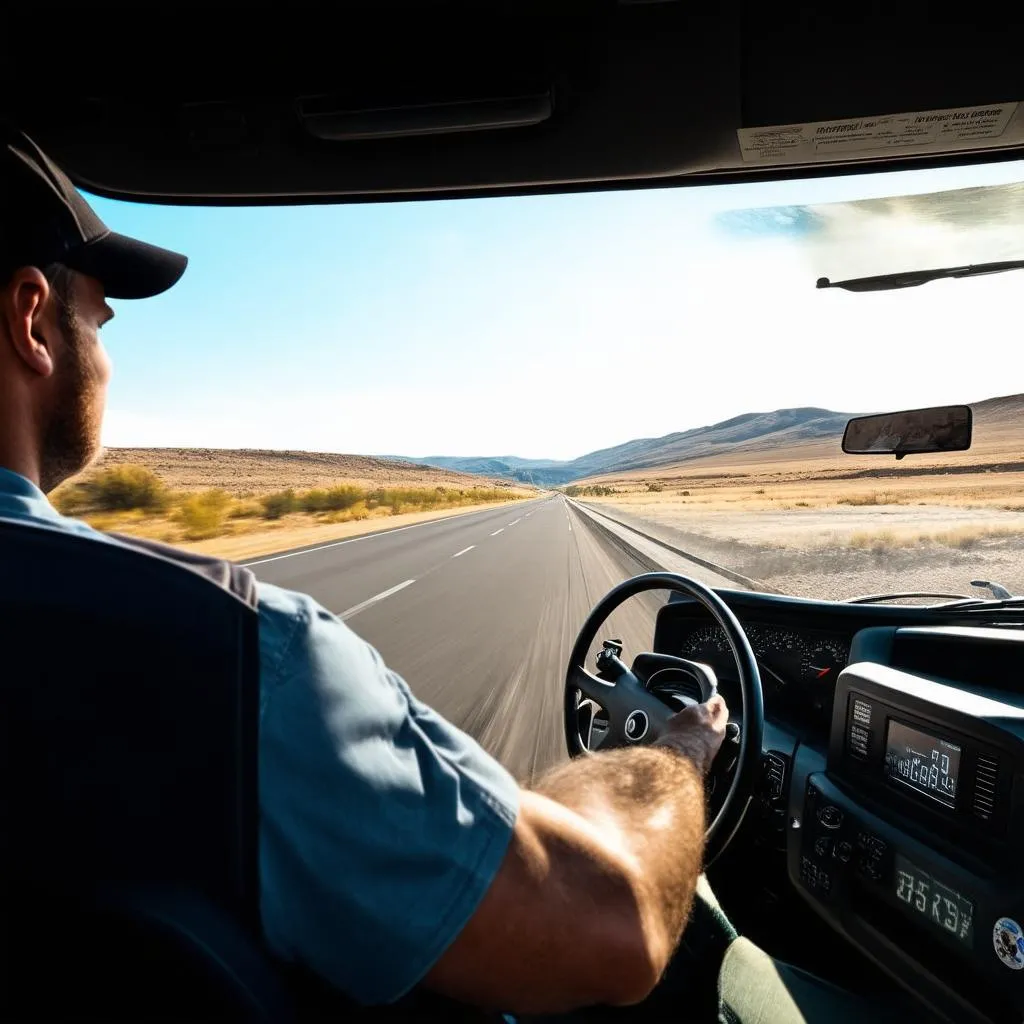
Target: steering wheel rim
730 814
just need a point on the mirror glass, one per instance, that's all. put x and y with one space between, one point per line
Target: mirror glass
943 429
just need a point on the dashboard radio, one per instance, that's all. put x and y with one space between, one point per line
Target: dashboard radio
908 840
907 743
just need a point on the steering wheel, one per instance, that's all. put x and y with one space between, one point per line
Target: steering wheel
635 715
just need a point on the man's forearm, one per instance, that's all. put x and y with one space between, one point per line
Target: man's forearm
650 802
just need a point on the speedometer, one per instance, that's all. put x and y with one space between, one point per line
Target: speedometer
824 660
782 651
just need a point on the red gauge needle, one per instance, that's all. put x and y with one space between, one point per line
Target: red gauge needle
820 671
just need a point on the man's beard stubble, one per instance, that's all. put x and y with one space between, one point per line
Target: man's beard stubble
71 437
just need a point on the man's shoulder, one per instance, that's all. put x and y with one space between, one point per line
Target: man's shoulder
228 575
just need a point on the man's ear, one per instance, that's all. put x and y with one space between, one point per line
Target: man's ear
28 320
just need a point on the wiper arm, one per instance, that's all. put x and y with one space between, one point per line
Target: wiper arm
906 595
913 278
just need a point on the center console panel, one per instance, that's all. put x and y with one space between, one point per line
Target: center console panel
909 837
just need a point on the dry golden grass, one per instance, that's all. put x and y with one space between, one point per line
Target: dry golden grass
266 512
245 472
796 489
251 537
812 497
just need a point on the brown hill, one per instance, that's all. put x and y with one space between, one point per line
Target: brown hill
997 445
247 471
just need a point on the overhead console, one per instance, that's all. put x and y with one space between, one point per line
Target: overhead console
909 837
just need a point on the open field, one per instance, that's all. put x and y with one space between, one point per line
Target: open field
248 471
814 522
265 511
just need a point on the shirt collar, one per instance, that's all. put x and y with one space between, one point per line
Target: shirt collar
14 485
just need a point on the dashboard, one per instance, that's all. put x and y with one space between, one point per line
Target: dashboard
893 783
799 666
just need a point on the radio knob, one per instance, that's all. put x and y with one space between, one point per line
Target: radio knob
830 816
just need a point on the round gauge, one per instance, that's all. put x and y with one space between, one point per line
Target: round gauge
824 660
782 651
705 643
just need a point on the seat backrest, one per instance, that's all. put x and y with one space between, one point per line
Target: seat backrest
129 695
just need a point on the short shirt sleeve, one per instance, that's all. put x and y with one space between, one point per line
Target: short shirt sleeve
382 825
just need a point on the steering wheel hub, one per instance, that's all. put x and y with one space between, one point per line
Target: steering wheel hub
637 725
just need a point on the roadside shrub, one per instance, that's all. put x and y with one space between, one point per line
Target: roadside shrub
278 504
655 486
245 508
343 496
313 501
117 489
203 515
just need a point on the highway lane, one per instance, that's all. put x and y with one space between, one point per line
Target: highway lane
478 613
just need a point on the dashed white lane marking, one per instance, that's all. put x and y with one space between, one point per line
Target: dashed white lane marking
357 608
514 521
463 551
570 527
496 532
359 540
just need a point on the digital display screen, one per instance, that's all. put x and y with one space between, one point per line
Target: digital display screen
924 763
929 899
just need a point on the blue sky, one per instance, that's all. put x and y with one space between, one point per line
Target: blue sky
543 326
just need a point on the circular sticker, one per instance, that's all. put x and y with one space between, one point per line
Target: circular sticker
1008 941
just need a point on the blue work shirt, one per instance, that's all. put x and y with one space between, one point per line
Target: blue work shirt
381 824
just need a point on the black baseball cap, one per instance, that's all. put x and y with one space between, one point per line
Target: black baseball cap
44 220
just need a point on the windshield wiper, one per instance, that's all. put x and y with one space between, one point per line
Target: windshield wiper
912 278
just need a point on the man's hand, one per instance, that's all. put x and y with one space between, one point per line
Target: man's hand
698 731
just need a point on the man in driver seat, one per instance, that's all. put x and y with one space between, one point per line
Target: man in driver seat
394 851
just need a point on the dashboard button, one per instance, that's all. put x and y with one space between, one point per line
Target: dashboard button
877 847
843 851
823 846
830 816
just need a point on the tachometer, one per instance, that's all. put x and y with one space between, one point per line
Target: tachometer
824 660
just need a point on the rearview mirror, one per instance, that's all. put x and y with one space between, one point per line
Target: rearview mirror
945 428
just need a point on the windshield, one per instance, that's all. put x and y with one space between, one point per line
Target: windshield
662 356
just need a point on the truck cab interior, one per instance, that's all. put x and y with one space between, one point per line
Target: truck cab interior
870 824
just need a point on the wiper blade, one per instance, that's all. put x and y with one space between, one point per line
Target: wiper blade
982 604
913 278
906 595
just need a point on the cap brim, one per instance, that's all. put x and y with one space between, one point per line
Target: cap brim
126 267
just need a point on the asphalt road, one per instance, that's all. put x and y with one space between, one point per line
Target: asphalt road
478 612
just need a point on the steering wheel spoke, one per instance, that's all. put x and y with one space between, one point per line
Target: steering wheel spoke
598 690
593 725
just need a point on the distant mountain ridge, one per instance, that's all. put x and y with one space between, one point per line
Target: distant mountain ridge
753 433
756 431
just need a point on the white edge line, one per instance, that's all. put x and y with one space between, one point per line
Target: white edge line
463 551
357 608
496 532
364 536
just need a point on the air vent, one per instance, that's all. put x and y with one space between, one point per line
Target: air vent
986 778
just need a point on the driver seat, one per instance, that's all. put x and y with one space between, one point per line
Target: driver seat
128 853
